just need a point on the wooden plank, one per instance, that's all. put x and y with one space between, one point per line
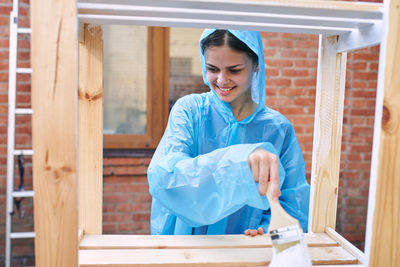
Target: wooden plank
292 7
311 17
383 232
204 257
184 241
203 23
327 135
90 143
353 250
54 128
212 14
363 37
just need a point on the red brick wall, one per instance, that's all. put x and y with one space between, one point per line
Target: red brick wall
291 62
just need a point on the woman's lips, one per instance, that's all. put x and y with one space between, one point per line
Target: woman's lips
225 91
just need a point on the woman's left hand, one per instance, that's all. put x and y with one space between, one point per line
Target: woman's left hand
254 232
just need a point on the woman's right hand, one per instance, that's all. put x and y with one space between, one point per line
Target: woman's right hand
265 167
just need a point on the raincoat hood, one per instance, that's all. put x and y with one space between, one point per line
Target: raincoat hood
253 40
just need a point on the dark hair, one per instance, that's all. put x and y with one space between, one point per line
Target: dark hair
221 37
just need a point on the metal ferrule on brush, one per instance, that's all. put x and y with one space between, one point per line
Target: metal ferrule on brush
286 234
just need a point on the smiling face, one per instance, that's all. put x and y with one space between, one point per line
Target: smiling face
229 73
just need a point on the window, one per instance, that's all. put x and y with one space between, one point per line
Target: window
136 82
146 69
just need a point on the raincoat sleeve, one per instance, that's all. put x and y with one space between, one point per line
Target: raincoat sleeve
202 189
295 190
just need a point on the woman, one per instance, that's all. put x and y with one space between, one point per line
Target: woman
209 173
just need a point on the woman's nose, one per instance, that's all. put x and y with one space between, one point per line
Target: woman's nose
222 78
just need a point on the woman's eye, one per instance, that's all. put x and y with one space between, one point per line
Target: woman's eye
212 69
235 70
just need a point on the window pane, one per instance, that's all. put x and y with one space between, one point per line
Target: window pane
125 79
185 68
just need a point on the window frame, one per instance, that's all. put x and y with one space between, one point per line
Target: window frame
157 96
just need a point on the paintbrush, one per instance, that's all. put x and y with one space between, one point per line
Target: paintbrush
285 231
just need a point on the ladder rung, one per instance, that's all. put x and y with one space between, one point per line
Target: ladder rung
22 111
24 30
23 235
23 152
24 70
23 193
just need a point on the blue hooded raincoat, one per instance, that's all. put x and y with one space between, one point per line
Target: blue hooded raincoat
199 177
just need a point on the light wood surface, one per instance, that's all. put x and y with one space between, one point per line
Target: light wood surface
327 135
54 128
279 217
353 250
196 241
90 131
203 257
385 236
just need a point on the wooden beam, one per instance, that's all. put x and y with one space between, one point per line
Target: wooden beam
383 229
353 250
54 128
327 135
90 144
204 257
196 241
311 17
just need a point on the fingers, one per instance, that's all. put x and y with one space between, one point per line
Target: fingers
254 164
265 167
260 231
274 178
253 232
264 175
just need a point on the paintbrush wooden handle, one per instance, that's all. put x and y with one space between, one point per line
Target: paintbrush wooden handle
279 217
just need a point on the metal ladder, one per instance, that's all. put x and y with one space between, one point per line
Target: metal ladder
12 112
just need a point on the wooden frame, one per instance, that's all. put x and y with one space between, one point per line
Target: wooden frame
157 96
343 26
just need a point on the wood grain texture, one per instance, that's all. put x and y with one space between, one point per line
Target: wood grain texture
54 128
90 130
203 257
385 239
196 241
327 135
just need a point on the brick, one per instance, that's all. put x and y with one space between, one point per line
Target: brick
279 63
295 73
365 56
130 170
117 179
293 91
141 217
363 93
364 75
271 72
109 228
278 101
306 44
302 101
137 198
133 188
279 43
122 161
137 207
117 198
107 218
270 52
290 53
304 63
280 82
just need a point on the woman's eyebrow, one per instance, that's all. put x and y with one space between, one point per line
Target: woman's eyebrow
229 67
